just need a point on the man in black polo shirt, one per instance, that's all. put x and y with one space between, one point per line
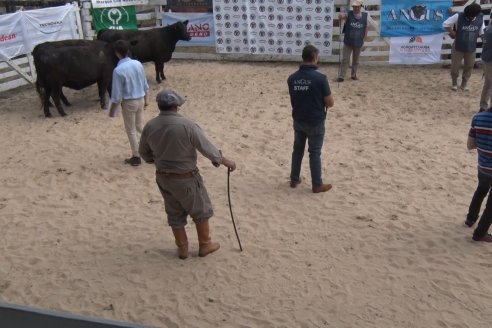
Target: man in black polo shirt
310 97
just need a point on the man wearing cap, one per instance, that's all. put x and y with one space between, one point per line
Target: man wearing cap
355 30
469 26
129 87
171 141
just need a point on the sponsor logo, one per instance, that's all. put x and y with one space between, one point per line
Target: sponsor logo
469 28
357 25
199 30
416 39
7 37
416 13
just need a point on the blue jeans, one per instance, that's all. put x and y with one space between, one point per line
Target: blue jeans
315 136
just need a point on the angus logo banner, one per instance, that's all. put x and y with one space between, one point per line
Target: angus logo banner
410 17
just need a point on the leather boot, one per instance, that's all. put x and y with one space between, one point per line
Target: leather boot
207 246
181 242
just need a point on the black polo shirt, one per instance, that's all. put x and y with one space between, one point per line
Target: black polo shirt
307 89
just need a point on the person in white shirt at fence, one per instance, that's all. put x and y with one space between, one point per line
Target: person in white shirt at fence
469 26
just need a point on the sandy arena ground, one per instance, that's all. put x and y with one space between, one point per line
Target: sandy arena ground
82 232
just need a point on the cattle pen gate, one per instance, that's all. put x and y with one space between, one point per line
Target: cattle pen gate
20 71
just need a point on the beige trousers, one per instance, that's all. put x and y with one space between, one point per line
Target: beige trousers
347 50
132 112
456 58
486 97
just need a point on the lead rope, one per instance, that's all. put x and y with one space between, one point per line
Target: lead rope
230 208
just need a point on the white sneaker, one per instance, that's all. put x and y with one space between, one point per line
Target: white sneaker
464 88
454 87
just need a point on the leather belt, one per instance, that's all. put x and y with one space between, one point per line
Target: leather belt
185 175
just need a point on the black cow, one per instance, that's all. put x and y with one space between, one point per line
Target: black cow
75 64
48 46
155 45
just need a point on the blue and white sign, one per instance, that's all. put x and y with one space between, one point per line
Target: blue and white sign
200 27
411 17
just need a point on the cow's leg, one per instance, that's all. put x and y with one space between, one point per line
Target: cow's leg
101 87
162 72
64 99
159 72
56 95
46 101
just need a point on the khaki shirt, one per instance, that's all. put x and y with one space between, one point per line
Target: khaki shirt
171 140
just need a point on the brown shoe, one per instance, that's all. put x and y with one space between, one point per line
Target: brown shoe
487 238
294 184
322 188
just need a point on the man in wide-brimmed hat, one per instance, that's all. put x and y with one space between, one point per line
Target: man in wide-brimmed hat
355 30
468 26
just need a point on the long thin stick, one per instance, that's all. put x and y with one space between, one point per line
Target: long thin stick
230 208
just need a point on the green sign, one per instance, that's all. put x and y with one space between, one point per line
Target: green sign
116 18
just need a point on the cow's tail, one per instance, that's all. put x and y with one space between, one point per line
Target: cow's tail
100 33
39 84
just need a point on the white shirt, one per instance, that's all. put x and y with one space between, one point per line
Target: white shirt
453 20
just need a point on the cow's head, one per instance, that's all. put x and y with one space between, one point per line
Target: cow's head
181 30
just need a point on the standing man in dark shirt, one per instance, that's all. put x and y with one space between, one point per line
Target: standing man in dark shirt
171 141
479 138
310 97
355 30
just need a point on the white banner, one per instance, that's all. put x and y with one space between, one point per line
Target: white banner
12 41
117 3
200 27
425 49
23 30
266 27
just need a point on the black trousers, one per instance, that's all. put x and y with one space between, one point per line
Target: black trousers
484 184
